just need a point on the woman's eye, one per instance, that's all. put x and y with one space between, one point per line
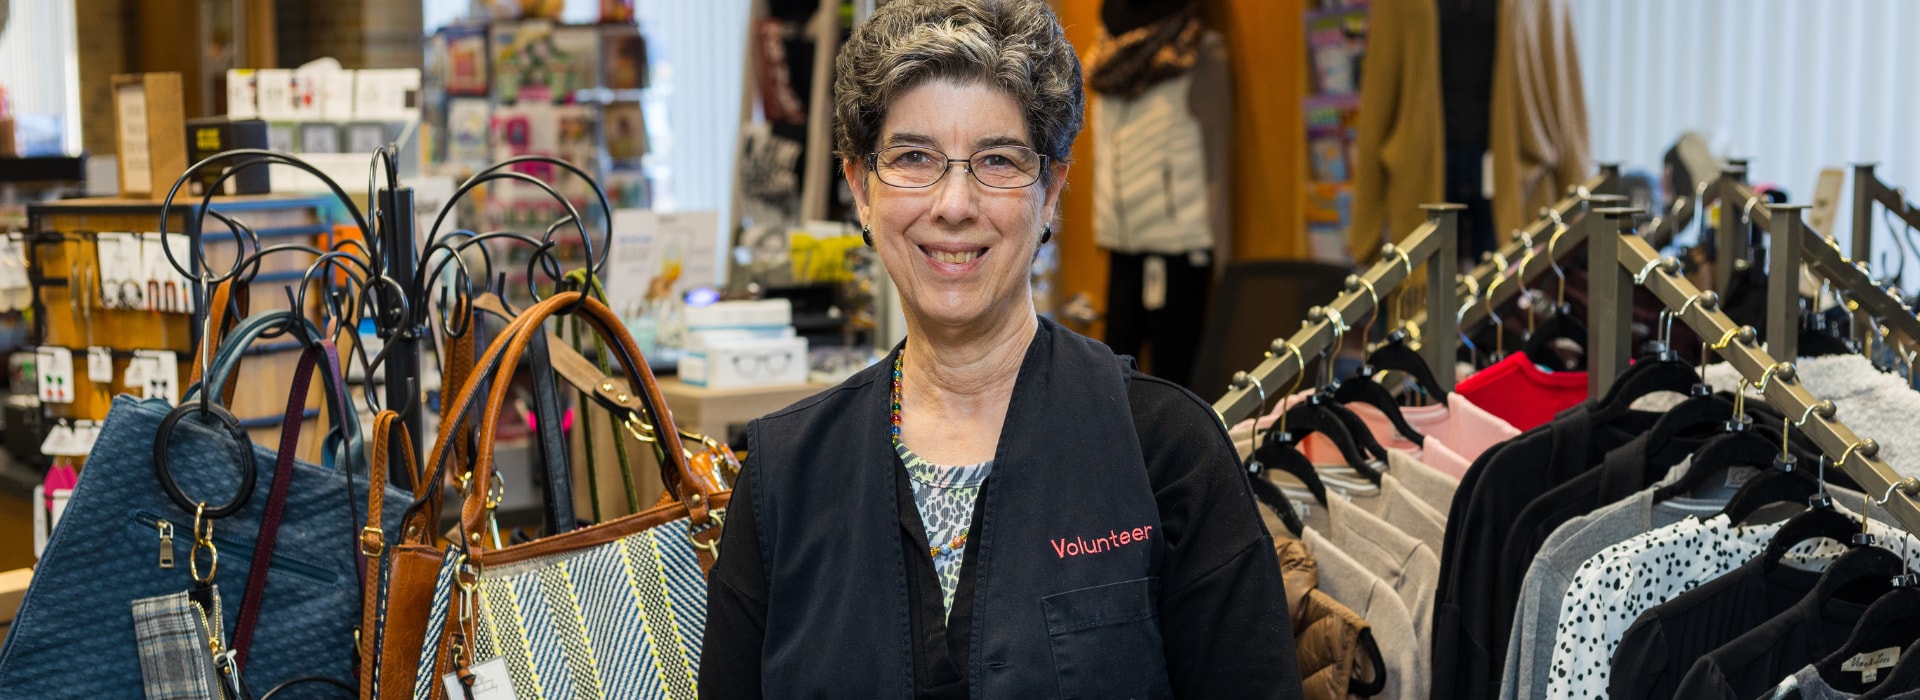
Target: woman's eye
996 161
914 158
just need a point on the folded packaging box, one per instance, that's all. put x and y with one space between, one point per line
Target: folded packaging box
765 313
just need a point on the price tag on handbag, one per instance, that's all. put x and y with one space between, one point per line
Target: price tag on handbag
55 369
490 681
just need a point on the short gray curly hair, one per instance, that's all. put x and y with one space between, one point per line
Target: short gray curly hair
1016 46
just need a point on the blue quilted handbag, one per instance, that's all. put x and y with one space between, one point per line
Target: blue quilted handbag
73 636
613 610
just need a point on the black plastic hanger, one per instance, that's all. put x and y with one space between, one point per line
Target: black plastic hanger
1770 487
1319 414
1862 575
1647 376
1363 440
1266 492
1720 453
1397 355
1813 524
1371 686
1691 415
1276 453
1539 346
1364 390
1892 621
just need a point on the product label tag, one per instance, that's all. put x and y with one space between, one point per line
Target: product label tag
55 367
1153 283
1301 508
490 682
100 365
1739 476
1868 664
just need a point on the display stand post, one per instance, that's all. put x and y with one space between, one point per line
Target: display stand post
402 338
1440 329
1609 298
1783 280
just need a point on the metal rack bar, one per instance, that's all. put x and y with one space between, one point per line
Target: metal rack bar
1432 243
1824 258
1853 454
1783 279
1867 189
1609 298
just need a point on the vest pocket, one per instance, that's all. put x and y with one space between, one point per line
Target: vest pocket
1106 641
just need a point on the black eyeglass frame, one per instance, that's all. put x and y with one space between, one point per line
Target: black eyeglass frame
873 166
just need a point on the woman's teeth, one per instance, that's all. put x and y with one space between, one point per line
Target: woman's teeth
955 258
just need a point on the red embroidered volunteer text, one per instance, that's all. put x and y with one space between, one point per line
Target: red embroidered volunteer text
1078 546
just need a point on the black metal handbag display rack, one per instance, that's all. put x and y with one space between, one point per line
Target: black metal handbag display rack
384 277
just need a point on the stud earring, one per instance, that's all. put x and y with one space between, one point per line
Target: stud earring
866 234
1046 234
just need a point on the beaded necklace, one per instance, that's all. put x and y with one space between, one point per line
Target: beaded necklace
959 541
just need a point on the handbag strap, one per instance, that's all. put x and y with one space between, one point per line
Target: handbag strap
551 439
693 490
233 348
221 323
276 506
373 542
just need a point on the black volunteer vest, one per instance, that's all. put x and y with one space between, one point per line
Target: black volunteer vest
1066 549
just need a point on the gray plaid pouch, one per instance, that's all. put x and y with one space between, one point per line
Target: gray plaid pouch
176 657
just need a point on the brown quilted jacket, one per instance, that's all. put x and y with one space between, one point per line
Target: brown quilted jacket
1326 634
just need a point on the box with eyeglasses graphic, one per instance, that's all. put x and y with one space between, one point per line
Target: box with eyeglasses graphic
745 362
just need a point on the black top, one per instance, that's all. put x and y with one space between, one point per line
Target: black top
1468 31
1496 489
1660 646
1753 663
1219 641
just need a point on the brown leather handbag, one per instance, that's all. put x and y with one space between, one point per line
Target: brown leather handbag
455 606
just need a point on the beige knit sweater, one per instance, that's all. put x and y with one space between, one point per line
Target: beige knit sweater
1401 157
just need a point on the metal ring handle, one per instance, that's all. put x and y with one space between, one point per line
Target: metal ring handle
242 452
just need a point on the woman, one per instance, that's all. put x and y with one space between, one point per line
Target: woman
1089 534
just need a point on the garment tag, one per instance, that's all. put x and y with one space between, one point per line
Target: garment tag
41 521
1486 175
1868 664
1739 476
54 365
490 681
1301 508
1199 257
100 365
1153 283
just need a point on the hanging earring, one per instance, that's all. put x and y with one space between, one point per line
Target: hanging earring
866 234
1046 234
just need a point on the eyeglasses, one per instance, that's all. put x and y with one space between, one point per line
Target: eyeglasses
999 167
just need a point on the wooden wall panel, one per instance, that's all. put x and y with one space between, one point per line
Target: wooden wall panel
1266 39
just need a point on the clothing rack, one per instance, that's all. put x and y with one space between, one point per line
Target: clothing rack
1639 264
1867 189
1475 285
1432 244
1793 246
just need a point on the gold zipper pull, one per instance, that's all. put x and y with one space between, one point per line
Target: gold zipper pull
166 544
